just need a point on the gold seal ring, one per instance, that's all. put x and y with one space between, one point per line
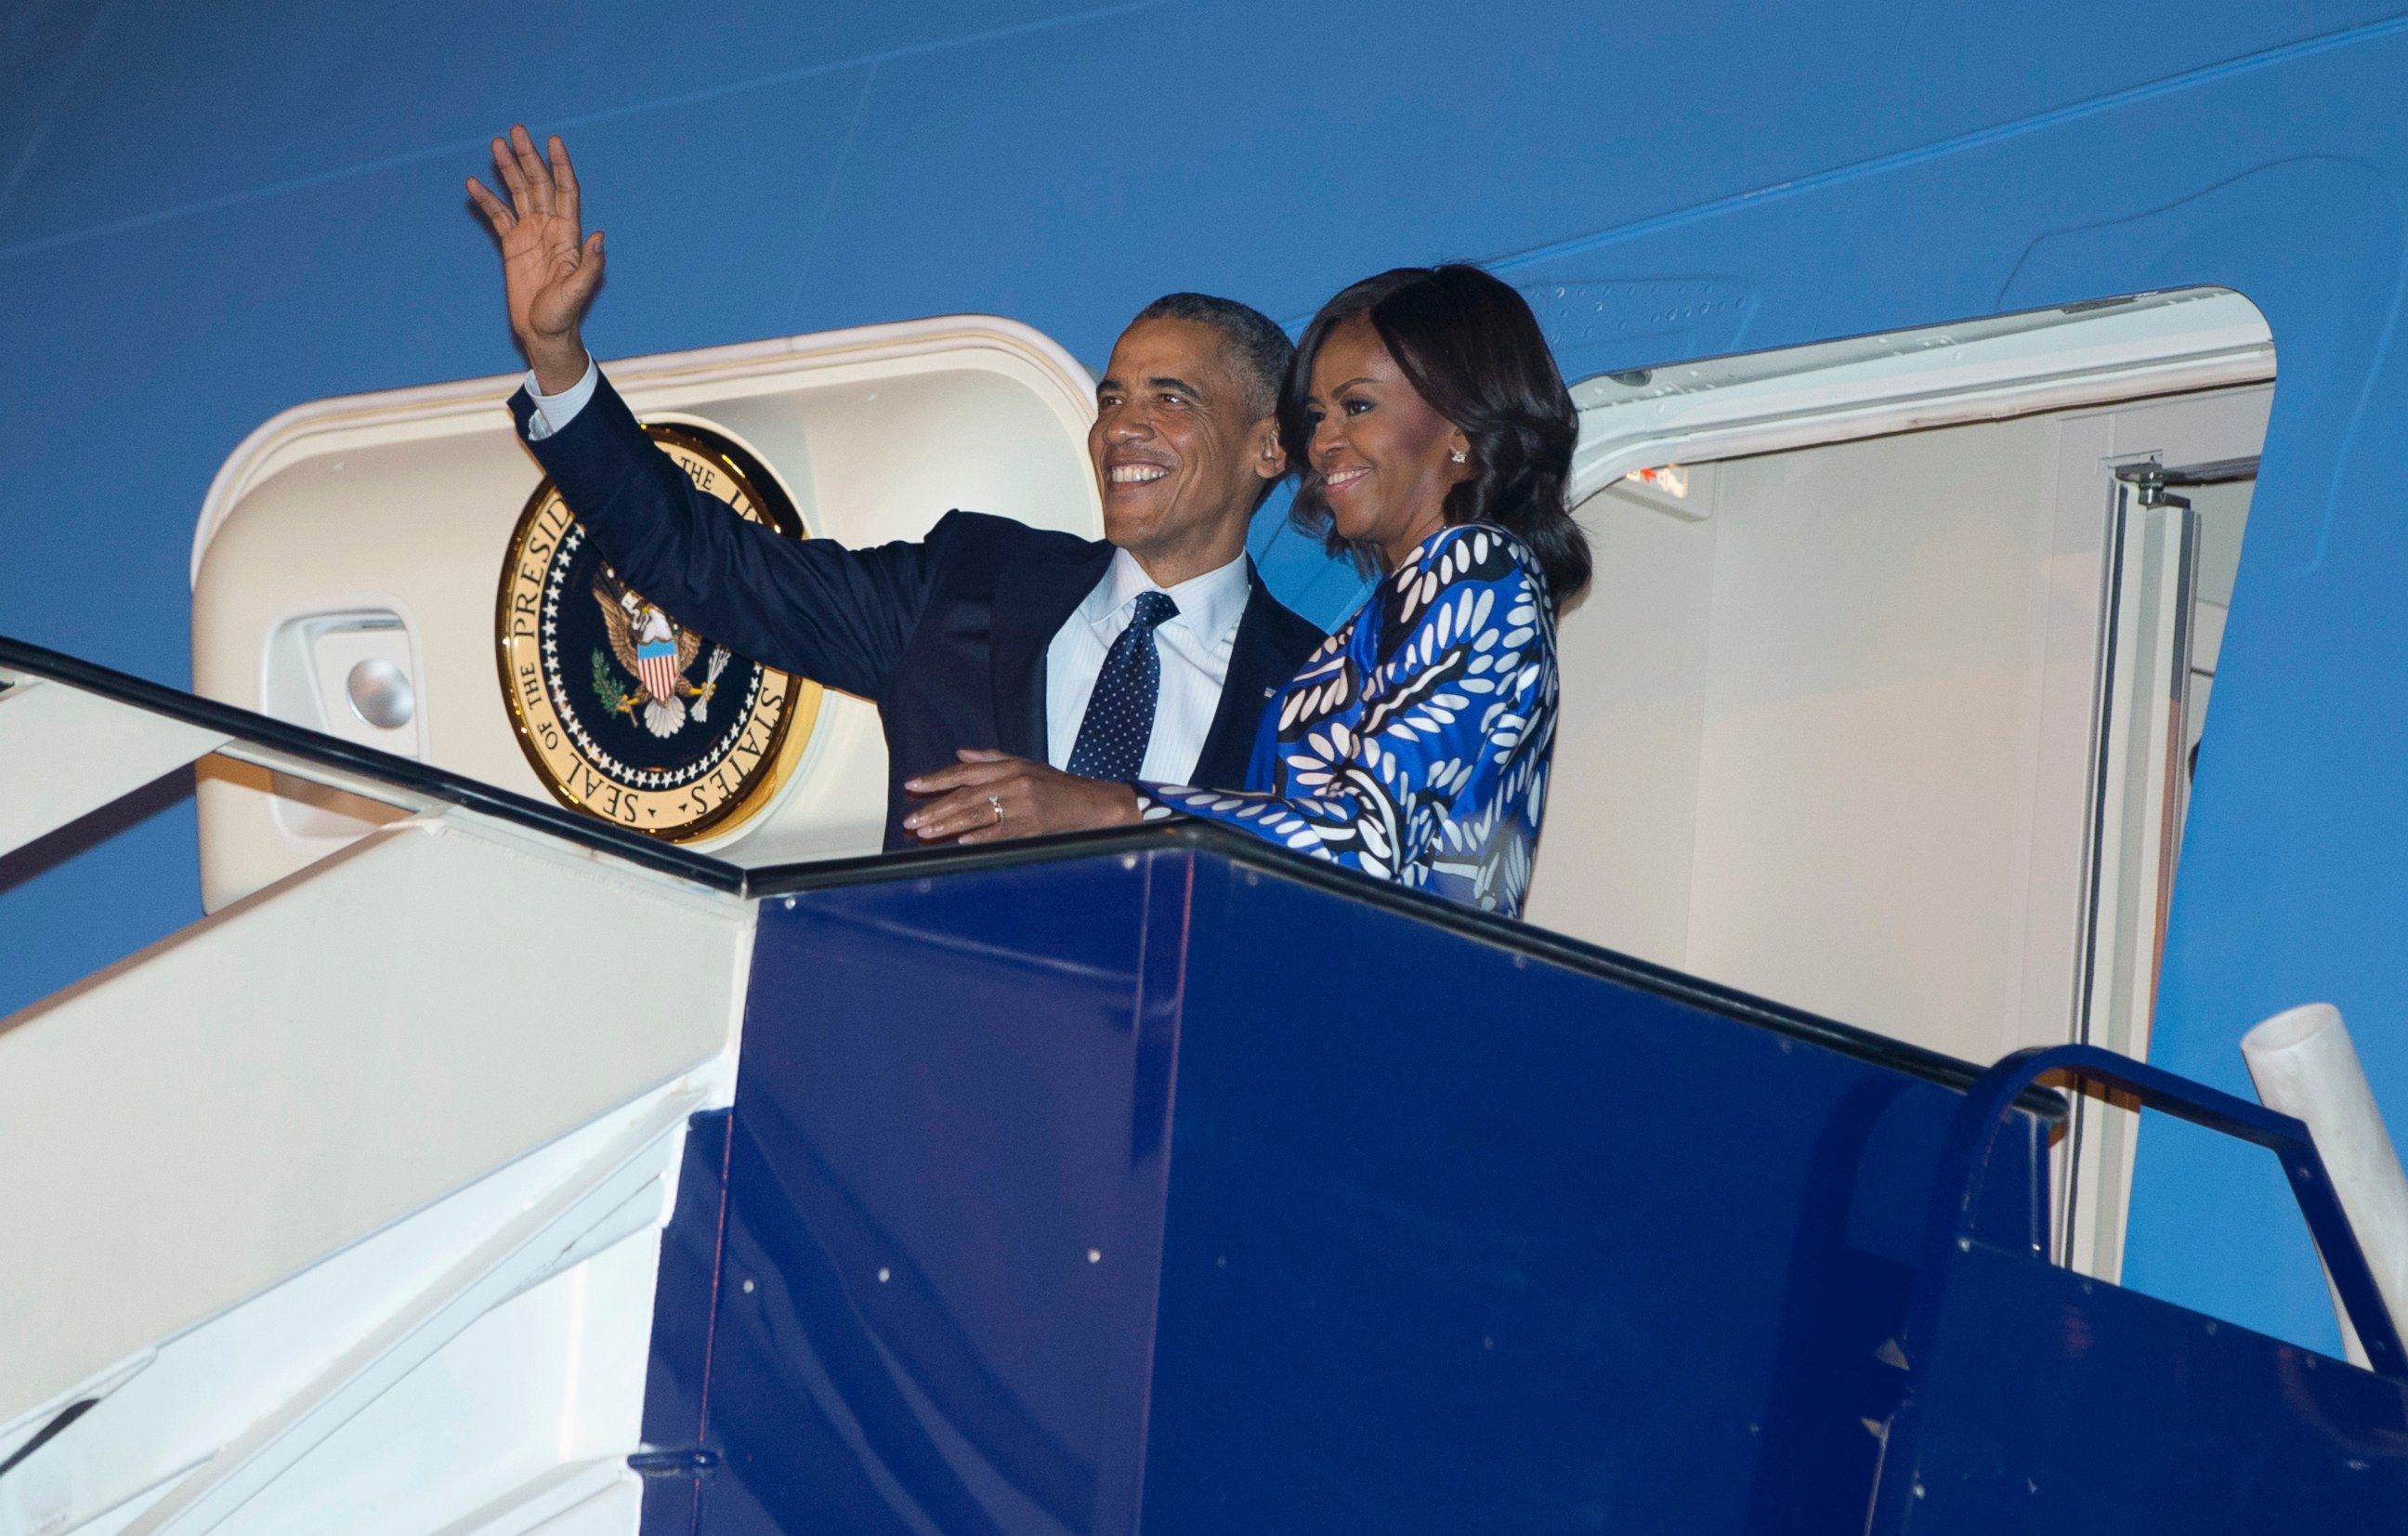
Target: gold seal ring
997 803
705 742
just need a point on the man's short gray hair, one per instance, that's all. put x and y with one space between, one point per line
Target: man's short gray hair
1258 351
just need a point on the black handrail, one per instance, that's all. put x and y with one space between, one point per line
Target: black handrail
302 744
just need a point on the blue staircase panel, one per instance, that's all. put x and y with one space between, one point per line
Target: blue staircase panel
1168 1184
683 1310
2047 1402
1459 1241
2040 1400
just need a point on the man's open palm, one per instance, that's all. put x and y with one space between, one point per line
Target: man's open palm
551 267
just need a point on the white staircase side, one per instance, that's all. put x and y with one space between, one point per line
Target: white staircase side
479 1366
621 1175
64 753
305 1069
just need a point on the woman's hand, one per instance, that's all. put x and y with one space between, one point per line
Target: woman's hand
551 267
990 795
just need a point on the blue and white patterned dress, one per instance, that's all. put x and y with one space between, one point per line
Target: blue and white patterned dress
1414 744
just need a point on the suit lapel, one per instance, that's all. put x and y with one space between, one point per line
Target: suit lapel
1256 669
1033 596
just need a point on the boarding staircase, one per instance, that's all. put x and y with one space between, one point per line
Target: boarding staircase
508 1173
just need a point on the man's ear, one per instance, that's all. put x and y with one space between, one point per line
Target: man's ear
1270 456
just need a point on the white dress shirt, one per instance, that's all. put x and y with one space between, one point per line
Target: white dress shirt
1194 645
555 411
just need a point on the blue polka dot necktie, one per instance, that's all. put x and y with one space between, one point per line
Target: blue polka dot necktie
1120 712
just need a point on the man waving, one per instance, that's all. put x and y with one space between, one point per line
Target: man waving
1147 655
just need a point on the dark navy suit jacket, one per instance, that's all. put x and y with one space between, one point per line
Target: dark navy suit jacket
946 636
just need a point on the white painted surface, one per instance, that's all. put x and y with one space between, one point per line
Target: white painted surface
525 1414
63 755
1858 778
600 1497
1620 840
404 502
1832 392
617 1189
342 1206
1833 743
1821 699
2304 1065
299 1072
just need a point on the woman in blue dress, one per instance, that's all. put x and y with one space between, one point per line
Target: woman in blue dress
1432 432
1432 437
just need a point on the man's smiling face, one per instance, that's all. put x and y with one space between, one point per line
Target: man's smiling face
1180 448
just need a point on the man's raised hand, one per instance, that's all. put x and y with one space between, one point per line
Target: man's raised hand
551 267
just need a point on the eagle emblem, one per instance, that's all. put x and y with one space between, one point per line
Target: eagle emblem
624 712
657 650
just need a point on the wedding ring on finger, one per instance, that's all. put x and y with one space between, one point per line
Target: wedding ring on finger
997 801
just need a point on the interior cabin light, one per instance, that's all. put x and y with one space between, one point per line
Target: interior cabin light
1671 479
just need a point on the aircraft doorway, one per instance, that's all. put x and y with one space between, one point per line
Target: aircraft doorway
1887 713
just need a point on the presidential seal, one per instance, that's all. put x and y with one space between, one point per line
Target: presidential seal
624 711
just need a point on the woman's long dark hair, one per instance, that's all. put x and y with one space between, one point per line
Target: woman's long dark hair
1469 344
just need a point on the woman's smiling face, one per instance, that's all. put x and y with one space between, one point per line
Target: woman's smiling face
1382 456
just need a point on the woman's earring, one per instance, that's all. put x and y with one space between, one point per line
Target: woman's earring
1459 456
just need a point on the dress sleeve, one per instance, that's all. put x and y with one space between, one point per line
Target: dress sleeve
808 606
1461 673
